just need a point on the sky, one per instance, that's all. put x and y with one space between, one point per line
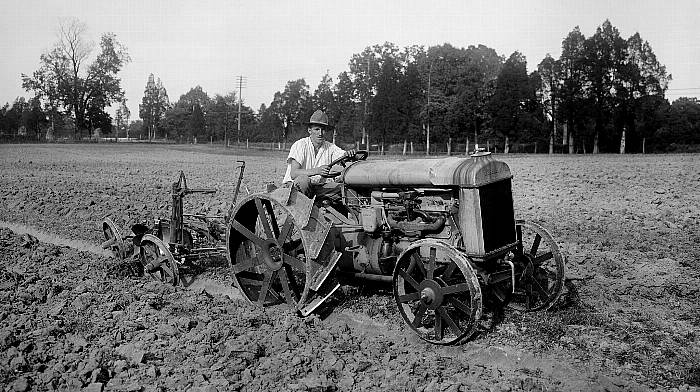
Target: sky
211 43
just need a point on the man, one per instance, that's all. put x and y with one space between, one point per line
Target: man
309 160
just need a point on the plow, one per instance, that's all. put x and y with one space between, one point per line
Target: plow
442 232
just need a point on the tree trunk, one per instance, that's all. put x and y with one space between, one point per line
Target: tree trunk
449 147
571 143
466 149
405 143
644 142
622 142
488 145
506 148
551 144
565 134
595 143
411 147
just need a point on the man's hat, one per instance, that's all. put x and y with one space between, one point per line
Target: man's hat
319 118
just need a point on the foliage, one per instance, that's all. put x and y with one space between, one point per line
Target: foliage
153 106
66 81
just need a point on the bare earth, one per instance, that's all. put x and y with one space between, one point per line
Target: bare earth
71 317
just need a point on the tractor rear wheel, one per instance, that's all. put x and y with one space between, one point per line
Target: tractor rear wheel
267 254
437 292
539 269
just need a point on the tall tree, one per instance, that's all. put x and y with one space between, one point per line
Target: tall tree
65 79
573 100
121 118
549 71
509 102
153 106
385 107
604 59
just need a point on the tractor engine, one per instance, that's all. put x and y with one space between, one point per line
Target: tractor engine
464 202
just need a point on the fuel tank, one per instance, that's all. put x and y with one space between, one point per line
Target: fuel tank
478 170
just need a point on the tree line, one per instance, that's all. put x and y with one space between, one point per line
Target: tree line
604 93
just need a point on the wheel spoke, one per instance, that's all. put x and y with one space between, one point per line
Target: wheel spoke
431 263
262 215
542 258
418 319
461 306
449 270
453 326
273 218
265 288
438 327
285 287
419 262
409 297
293 261
408 279
247 233
535 244
457 288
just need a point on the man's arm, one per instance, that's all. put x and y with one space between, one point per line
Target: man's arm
296 170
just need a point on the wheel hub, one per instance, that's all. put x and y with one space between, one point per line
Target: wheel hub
272 255
431 293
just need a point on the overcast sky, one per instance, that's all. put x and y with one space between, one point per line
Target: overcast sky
210 43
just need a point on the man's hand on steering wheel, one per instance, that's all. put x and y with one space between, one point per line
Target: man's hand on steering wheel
350 155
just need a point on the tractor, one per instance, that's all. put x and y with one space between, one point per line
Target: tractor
442 232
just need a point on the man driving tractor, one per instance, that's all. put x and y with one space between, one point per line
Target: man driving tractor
309 160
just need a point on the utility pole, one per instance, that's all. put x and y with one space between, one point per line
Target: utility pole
241 79
427 134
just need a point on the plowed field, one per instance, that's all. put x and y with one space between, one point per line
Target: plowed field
73 318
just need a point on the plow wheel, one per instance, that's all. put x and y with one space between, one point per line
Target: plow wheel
157 261
539 269
267 253
437 292
113 239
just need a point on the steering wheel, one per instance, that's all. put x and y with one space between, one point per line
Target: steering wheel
360 155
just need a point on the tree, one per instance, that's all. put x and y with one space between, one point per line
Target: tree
604 58
153 106
641 91
509 102
346 107
292 106
573 101
549 71
385 107
121 118
65 80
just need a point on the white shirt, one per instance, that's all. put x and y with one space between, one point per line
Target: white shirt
302 151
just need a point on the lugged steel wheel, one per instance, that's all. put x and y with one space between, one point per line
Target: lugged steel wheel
157 261
267 252
437 292
539 269
113 239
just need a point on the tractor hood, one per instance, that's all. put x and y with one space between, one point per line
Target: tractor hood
478 170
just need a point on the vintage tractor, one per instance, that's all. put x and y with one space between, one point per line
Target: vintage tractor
442 231
170 250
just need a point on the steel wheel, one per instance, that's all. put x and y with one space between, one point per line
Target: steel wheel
437 292
157 261
539 269
113 239
266 252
